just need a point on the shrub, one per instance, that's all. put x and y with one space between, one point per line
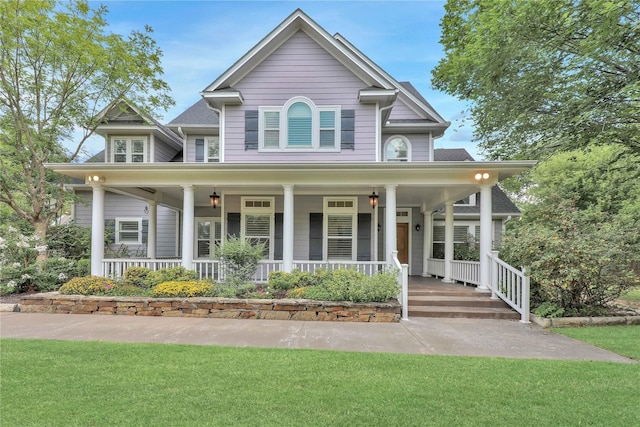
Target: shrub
90 285
137 276
69 241
175 274
240 259
580 260
191 288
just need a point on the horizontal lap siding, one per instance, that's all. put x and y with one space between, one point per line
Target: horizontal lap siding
120 206
300 67
401 112
162 152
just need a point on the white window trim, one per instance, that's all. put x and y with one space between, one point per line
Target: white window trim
315 126
145 149
117 231
391 138
353 211
271 210
207 141
212 237
471 228
472 201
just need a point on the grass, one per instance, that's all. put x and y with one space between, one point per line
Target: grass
97 383
632 295
623 340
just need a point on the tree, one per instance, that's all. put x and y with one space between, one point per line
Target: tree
544 76
59 67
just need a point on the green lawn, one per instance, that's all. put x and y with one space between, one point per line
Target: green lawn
623 340
632 295
97 383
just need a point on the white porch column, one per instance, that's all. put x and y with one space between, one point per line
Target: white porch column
188 212
485 236
97 230
390 222
448 241
152 232
427 245
287 229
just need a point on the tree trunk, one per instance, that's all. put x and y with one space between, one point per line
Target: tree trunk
41 226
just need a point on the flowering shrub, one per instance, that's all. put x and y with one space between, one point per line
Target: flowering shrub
20 271
137 276
192 288
176 274
90 285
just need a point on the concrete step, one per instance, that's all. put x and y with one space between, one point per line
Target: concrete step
460 292
456 301
465 312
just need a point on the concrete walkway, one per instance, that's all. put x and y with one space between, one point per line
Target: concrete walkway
461 337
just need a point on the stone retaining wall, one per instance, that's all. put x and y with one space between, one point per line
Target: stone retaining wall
228 308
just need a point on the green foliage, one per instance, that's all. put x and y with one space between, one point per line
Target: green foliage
240 260
175 274
279 280
338 285
173 289
544 77
20 270
69 241
137 276
468 251
580 259
90 285
60 63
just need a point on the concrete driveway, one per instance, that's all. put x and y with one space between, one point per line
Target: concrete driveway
460 337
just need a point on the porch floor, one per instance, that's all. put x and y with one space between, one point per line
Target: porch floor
430 297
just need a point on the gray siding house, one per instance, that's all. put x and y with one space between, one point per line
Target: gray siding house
304 144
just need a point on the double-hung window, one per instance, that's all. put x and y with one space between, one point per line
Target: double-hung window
208 149
128 231
299 125
340 228
258 222
129 150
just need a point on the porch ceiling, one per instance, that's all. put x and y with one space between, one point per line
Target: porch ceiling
426 184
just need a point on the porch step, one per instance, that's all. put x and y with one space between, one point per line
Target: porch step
465 312
455 301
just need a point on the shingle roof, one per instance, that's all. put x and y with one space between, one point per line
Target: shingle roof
451 155
197 114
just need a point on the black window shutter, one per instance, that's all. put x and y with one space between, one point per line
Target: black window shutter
233 224
199 150
347 129
110 230
278 234
364 237
315 237
145 230
251 130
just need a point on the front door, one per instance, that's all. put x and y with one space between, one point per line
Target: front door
402 235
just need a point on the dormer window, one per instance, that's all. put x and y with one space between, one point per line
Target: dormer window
299 125
129 150
397 149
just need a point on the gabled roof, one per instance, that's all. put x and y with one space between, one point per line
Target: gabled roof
374 78
136 119
500 202
198 115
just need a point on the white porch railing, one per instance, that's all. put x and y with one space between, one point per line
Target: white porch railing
210 268
403 279
511 285
506 282
366 267
467 272
435 267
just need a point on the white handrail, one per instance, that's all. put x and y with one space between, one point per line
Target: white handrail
403 278
510 285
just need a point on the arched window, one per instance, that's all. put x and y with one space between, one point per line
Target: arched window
299 125
397 149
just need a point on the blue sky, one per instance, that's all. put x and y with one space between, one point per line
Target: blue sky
201 39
